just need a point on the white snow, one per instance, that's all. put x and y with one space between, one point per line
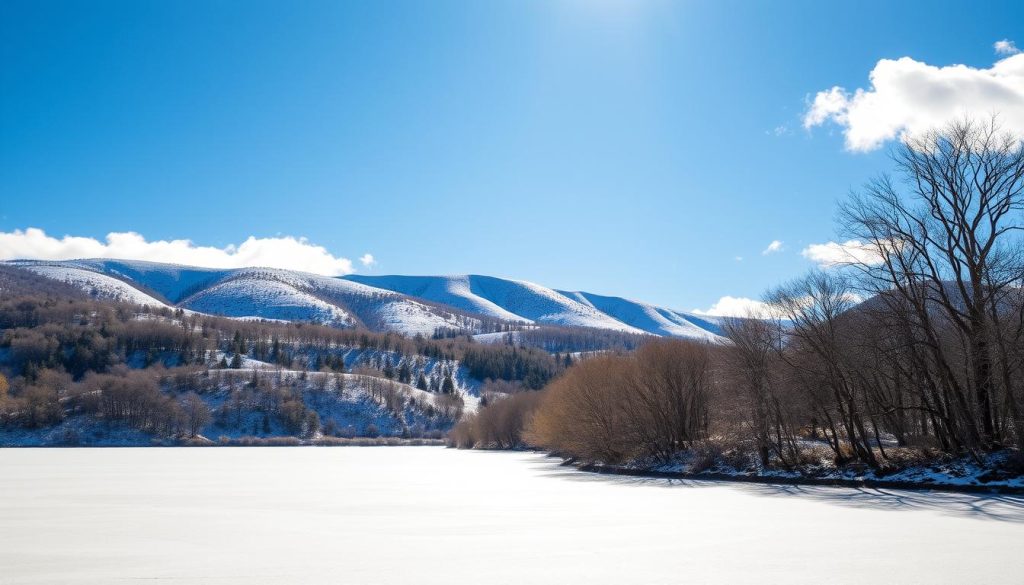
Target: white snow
252 295
501 298
499 337
391 515
651 319
379 302
95 284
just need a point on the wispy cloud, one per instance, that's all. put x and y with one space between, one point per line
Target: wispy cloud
775 246
1005 47
907 97
367 260
277 252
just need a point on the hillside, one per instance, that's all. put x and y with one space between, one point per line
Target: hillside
403 304
531 303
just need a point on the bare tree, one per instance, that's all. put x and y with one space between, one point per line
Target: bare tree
946 252
197 414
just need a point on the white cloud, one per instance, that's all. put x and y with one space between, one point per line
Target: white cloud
1005 47
908 97
737 307
738 258
775 246
278 252
367 260
832 254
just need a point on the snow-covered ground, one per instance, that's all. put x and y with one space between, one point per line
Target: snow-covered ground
434 516
962 472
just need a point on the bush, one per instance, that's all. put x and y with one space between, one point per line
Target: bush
499 425
611 409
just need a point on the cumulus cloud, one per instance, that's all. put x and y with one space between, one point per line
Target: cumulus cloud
832 254
907 97
367 260
737 307
278 252
1005 47
775 246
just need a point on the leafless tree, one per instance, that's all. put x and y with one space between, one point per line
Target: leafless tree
946 253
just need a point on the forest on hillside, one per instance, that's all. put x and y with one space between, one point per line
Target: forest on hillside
169 374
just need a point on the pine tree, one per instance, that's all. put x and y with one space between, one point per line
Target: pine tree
421 382
448 385
275 349
236 361
404 373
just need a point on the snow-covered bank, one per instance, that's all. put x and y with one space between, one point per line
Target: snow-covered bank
994 474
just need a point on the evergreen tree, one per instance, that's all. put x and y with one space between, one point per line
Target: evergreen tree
404 372
421 382
236 361
275 349
448 385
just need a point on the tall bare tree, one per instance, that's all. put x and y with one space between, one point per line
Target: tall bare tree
946 253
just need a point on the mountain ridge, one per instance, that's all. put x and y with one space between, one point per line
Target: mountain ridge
405 304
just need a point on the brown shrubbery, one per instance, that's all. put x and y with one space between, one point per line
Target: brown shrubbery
616 408
497 426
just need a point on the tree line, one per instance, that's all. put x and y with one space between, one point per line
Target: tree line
911 341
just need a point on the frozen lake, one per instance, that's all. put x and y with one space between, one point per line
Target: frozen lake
430 515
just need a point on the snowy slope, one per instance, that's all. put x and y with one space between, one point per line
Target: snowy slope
266 293
94 283
652 319
500 298
524 301
172 281
454 291
405 304
250 295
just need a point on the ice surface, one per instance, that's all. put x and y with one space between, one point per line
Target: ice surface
425 515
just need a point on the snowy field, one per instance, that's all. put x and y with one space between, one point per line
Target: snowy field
430 515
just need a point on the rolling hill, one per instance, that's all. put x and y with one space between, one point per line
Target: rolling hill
405 304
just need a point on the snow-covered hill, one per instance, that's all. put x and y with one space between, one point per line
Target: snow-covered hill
94 283
518 300
405 304
651 319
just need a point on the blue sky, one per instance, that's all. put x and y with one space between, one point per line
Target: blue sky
628 148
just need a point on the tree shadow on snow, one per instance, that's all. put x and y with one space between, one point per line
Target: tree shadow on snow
999 507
